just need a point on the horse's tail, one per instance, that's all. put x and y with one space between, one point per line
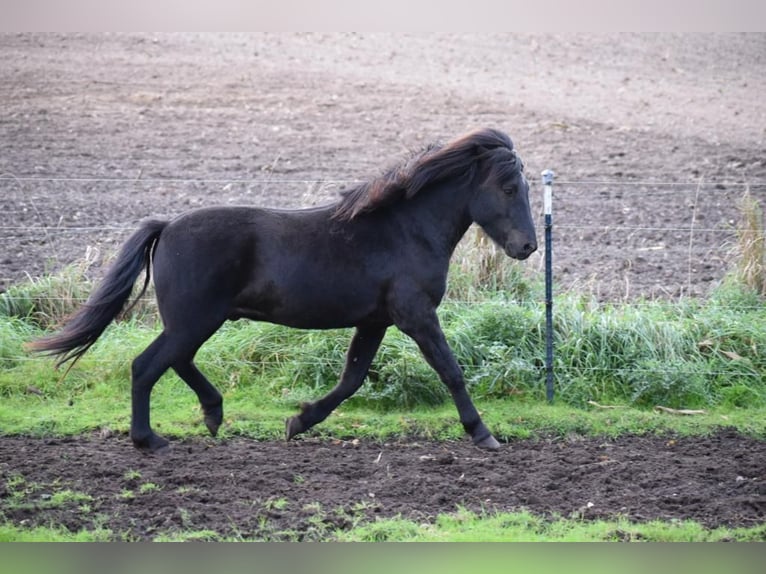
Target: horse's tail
105 303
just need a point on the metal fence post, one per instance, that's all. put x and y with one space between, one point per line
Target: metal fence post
547 177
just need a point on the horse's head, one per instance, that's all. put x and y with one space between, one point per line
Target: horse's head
500 202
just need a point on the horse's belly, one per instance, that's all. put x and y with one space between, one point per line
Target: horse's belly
311 310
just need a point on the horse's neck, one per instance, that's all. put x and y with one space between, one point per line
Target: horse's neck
441 214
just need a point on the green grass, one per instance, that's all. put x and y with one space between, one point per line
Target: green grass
460 526
466 526
11 533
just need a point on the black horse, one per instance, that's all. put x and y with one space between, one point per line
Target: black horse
376 258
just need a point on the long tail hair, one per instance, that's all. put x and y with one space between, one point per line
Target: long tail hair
85 326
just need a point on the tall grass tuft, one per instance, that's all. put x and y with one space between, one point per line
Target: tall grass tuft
13 334
47 301
480 267
751 267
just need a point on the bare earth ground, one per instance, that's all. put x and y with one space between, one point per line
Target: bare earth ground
298 491
653 139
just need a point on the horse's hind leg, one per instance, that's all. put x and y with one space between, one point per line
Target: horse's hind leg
147 368
209 397
173 348
360 353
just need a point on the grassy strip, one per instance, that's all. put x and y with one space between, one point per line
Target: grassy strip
461 526
466 526
11 533
176 415
690 355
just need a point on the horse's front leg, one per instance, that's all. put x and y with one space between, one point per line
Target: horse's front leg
360 353
423 326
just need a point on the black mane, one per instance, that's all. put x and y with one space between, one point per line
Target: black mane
434 163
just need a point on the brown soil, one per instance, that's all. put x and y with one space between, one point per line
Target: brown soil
98 132
303 489
187 120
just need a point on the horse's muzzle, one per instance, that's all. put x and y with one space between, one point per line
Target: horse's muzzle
522 252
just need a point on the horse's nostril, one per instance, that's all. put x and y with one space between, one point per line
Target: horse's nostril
530 247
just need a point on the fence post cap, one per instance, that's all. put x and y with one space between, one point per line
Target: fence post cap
547 176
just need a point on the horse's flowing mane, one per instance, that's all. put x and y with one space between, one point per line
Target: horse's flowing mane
433 164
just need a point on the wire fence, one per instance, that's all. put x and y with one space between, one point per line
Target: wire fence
702 209
693 209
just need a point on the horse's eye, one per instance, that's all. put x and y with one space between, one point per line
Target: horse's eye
510 190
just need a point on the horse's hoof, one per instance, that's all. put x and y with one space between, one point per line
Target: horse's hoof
153 444
161 450
293 426
213 418
213 423
488 443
